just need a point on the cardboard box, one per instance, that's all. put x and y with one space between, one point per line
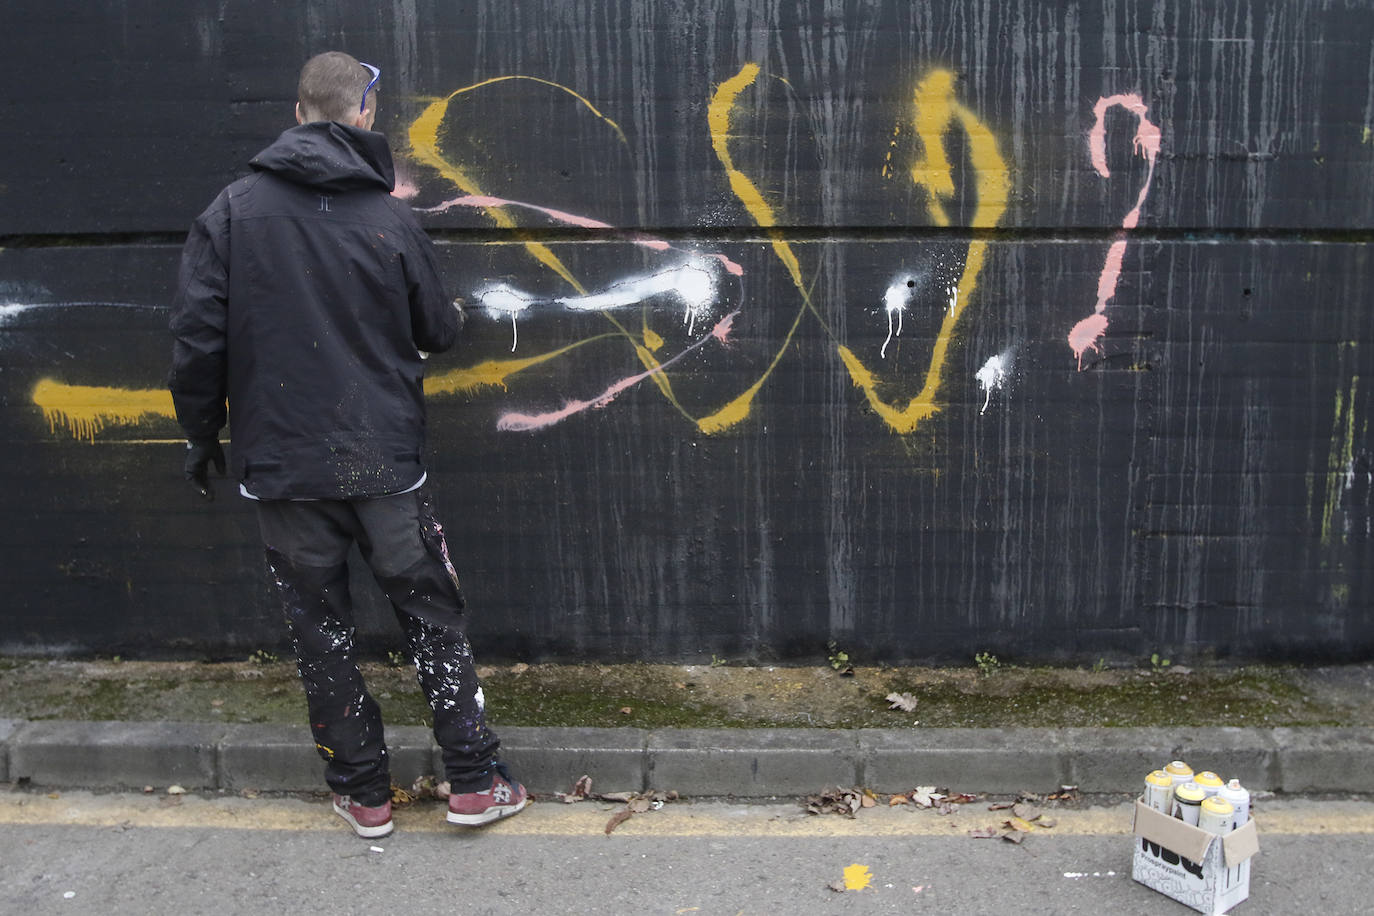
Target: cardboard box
1207 872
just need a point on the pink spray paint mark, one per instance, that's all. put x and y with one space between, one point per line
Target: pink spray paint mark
1086 334
481 201
524 422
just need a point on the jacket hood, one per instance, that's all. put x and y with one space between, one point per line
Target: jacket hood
329 156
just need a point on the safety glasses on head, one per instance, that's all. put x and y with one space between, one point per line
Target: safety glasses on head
376 75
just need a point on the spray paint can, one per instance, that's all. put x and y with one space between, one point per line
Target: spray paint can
1159 791
1180 772
1211 783
1215 815
1188 802
1239 797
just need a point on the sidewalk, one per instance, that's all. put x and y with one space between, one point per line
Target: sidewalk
709 731
742 763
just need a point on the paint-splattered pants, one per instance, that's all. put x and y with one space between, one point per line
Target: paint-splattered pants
307 546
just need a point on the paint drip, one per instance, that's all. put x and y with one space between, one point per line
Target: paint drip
992 376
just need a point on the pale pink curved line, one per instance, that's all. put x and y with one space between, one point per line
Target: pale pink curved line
571 219
1086 333
524 422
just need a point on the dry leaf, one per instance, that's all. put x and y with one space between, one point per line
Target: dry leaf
400 796
835 800
519 668
627 710
984 833
640 805
1028 812
898 800
175 790
580 790
903 701
1013 836
926 796
1021 824
1046 822
620 817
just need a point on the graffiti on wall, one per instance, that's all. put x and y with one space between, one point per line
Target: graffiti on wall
683 309
1086 333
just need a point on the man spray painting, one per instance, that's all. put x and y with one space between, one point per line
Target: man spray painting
305 294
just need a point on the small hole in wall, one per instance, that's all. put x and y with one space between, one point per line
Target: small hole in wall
1245 292
910 284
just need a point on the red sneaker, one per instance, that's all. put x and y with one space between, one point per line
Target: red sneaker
472 809
365 821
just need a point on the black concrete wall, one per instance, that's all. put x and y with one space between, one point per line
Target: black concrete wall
1195 482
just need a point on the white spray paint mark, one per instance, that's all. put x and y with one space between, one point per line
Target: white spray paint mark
993 375
10 310
481 699
1084 874
895 301
693 283
953 291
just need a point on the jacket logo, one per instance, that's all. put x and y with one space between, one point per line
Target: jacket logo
324 203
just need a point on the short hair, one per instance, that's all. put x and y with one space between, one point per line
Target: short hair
331 87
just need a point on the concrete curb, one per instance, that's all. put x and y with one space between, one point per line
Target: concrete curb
743 763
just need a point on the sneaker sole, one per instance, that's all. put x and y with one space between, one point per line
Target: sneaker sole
494 813
367 833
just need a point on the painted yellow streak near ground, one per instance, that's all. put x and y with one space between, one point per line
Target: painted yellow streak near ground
84 410
706 819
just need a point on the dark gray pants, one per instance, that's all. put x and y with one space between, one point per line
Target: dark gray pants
307 546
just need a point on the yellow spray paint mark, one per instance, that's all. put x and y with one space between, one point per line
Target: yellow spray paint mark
718 120
936 109
494 372
1342 455
652 339
857 877
84 410
424 141
328 752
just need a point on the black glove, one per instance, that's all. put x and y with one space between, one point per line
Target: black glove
199 454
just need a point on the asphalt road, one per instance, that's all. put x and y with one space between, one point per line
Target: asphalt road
80 852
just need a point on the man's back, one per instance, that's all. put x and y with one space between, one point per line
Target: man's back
329 289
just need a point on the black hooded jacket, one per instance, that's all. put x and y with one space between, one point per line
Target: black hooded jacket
304 294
